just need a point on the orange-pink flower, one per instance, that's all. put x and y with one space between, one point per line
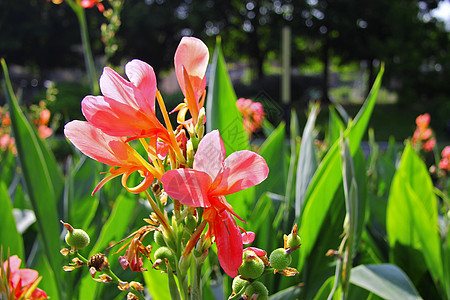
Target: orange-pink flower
21 282
191 60
113 151
213 176
423 135
444 163
253 114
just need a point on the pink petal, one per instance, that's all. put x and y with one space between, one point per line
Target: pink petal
116 118
39 294
188 186
210 154
248 237
257 251
143 77
13 262
27 276
193 55
229 243
96 144
241 170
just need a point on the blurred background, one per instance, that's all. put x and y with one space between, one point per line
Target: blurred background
335 50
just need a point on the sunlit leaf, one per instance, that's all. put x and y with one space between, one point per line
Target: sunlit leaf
10 239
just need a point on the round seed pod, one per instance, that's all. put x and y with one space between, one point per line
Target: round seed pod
239 283
252 266
279 259
257 288
293 242
77 239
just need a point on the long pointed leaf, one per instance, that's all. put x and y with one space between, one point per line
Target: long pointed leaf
328 176
221 109
42 177
10 239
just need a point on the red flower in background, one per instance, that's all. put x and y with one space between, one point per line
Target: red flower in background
444 164
423 136
213 176
22 283
253 113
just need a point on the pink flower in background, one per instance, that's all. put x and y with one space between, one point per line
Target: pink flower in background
423 136
444 164
253 114
22 281
213 176
91 3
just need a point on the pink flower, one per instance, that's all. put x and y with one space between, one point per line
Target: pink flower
127 108
22 281
446 152
213 176
91 3
253 114
191 60
429 145
423 121
444 164
112 151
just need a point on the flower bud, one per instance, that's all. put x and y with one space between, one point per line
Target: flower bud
252 266
76 238
292 241
259 289
239 283
164 253
159 238
279 259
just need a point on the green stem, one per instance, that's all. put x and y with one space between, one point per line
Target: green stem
87 52
196 280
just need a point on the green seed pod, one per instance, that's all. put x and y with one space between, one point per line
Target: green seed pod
165 253
252 266
77 239
279 259
159 239
191 222
257 288
239 283
293 241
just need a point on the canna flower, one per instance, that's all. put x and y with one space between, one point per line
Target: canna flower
127 108
423 136
253 114
213 176
110 150
91 3
444 163
191 60
21 283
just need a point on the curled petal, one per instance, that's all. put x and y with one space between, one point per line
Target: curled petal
192 55
241 170
210 154
248 237
188 186
229 243
142 186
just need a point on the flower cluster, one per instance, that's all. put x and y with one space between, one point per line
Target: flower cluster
444 163
253 114
423 135
38 114
191 166
16 283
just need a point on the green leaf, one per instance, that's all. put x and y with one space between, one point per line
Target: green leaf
325 290
43 179
221 109
328 177
10 239
335 126
307 161
412 221
385 280
273 151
